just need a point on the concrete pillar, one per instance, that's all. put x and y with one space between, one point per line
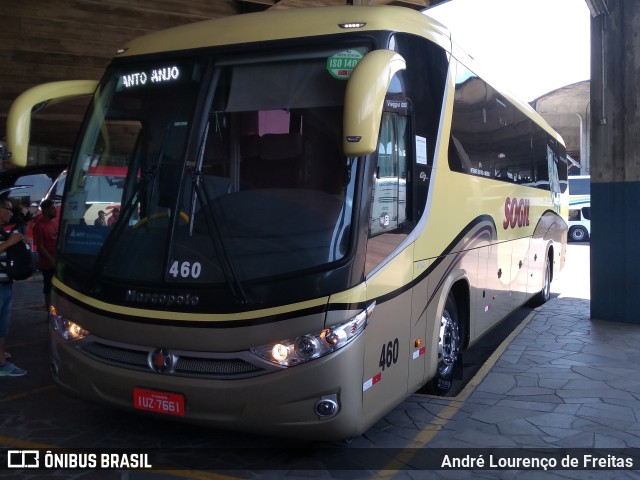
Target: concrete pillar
615 162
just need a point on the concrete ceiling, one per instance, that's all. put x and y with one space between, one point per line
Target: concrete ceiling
567 110
282 4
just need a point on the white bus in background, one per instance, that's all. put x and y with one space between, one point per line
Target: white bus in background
580 221
579 208
579 188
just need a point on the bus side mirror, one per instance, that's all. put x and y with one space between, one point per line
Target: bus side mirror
34 99
364 99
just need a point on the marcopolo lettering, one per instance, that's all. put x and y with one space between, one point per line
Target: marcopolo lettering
167 300
516 212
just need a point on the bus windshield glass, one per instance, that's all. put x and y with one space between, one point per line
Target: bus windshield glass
210 171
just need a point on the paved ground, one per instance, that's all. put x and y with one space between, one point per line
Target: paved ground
561 381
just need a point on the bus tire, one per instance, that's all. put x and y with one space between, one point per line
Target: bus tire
449 347
544 295
578 234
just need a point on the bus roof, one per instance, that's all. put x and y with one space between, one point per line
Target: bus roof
286 24
293 23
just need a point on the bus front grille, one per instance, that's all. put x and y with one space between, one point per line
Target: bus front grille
188 364
210 366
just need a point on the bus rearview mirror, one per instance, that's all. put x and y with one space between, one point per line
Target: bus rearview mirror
40 96
364 99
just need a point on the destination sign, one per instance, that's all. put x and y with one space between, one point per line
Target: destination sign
153 76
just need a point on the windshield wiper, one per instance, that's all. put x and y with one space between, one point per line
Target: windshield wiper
213 226
215 233
126 212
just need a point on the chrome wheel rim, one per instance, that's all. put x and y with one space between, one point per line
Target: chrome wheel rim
546 289
578 235
448 344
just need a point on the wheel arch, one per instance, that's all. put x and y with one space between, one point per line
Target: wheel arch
456 290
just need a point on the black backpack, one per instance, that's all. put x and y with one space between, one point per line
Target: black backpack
19 261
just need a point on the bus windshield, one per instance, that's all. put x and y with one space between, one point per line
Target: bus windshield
220 172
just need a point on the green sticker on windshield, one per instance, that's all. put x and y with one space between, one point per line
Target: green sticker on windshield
342 64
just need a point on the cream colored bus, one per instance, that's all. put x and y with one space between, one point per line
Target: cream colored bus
256 278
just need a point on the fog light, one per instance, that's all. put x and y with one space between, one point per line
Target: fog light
327 406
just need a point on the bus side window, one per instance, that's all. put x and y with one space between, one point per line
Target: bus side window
389 202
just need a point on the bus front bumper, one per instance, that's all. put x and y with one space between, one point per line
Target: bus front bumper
282 403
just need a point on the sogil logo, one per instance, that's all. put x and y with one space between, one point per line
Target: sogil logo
516 212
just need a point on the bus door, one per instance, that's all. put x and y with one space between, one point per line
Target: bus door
388 357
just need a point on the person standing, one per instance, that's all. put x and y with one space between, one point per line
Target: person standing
100 221
45 236
7 369
115 213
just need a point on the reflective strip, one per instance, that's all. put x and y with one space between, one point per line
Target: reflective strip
371 382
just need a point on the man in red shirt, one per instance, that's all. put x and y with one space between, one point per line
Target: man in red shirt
7 369
45 236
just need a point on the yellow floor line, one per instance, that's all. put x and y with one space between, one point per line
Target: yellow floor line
35 391
11 442
32 306
197 475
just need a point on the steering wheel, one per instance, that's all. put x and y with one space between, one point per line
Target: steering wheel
155 216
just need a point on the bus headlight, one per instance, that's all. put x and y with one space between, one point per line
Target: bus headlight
294 351
66 328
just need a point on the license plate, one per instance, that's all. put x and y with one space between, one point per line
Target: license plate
159 402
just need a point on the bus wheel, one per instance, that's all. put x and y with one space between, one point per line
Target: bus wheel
579 234
449 344
544 295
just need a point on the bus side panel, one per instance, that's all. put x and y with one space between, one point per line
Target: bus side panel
537 259
519 271
421 327
387 337
482 299
386 357
511 267
550 234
